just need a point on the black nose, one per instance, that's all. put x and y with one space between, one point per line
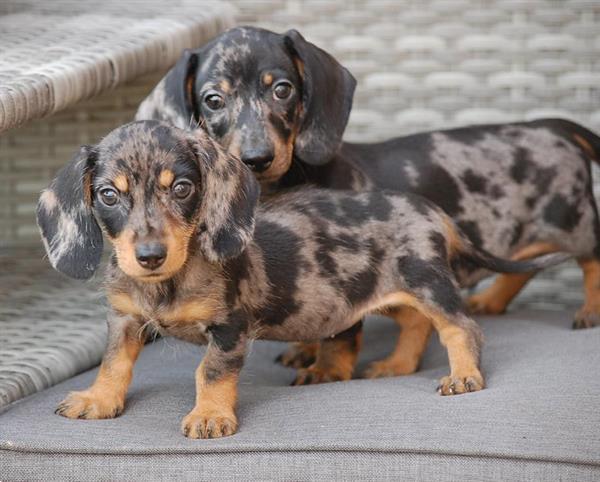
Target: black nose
150 255
257 160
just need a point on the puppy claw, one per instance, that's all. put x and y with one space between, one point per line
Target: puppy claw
197 424
90 406
298 356
313 375
457 385
586 318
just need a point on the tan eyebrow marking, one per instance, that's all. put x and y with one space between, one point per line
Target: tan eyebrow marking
166 178
225 86
268 79
121 183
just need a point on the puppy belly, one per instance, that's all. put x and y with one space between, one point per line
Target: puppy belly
305 330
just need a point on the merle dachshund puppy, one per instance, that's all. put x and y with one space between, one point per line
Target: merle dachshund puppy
194 258
281 105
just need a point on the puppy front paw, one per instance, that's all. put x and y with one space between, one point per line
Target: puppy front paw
586 318
454 385
208 424
91 405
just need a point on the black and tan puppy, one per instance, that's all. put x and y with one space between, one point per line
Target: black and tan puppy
194 258
281 105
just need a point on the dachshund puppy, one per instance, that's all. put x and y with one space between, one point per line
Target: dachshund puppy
195 258
281 104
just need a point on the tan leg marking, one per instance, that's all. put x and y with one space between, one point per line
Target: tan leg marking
495 299
214 413
106 397
464 366
588 315
412 341
460 343
335 360
299 355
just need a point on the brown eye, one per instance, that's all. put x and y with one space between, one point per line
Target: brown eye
214 101
109 196
182 189
282 90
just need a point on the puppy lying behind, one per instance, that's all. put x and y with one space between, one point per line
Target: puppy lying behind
190 262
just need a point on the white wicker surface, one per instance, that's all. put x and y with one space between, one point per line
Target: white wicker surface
427 64
56 53
51 328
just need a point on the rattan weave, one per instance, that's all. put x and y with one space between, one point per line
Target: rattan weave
54 54
51 328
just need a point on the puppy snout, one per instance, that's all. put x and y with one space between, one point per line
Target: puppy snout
258 160
150 255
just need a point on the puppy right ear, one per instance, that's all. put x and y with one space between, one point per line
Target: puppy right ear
71 235
173 100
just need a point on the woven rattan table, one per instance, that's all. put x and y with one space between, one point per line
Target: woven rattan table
83 67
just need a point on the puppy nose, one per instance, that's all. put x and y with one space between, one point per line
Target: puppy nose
150 255
257 160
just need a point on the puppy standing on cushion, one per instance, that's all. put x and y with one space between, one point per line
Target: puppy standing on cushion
281 104
189 261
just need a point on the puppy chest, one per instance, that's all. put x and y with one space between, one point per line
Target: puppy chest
187 319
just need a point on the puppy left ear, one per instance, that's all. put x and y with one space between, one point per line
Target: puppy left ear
327 92
230 194
71 235
173 99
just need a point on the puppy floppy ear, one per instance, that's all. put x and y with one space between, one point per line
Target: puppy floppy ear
327 92
173 100
71 235
230 194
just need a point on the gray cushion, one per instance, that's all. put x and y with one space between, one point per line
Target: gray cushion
538 419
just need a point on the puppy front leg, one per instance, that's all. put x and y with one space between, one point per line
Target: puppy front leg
216 382
106 397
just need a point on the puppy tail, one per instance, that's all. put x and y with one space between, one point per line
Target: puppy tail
587 140
460 245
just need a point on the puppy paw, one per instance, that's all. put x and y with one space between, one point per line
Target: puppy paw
482 304
313 375
90 405
390 368
298 355
452 385
208 424
586 318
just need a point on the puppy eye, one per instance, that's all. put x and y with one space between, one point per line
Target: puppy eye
109 196
214 101
282 90
182 189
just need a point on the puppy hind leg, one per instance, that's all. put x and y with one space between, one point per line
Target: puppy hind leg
462 338
440 302
588 315
335 360
412 341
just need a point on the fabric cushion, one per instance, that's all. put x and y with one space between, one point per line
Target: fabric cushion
539 418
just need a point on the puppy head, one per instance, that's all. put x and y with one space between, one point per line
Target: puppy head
157 192
265 97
